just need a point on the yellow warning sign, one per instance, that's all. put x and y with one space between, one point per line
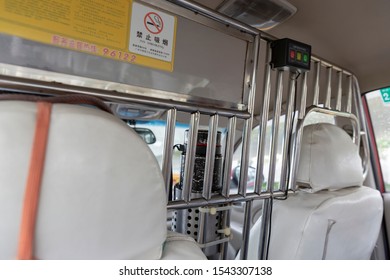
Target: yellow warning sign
116 29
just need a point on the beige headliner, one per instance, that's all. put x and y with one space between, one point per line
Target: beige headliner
354 34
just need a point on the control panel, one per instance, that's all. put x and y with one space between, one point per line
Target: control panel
290 55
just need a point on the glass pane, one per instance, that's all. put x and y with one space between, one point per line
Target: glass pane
379 108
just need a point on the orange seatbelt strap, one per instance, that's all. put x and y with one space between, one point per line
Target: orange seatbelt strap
33 184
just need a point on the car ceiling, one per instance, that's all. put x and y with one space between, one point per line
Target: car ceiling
353 34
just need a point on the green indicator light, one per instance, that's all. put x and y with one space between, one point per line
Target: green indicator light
305 58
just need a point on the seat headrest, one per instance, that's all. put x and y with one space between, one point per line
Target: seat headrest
329 159
102 193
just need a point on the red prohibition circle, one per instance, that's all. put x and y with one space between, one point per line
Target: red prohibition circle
153 23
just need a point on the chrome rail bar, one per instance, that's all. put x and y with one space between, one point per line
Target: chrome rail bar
339 90
317 83
348 109
263 122
275 130
328 96
267 204
210 156
246 230
297 139
288 128
190 156
265 229
314 109
251 84
363 125
216 16
219 199
229 156
135 94
168 148
302 108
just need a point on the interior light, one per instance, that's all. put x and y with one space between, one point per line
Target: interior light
261 14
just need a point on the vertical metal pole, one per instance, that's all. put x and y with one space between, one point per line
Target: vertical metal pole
317 83
265 229
275 130
363 127
229 155
245 157
210 157
287 132
249 122
190 156
246 229
267 204
328 96
168 148
201 231
349 96
263 123
339 90
297 140
302 109
245 151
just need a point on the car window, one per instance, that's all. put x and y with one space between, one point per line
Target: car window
379 106
158 128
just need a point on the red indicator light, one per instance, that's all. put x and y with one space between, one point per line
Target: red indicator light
292 54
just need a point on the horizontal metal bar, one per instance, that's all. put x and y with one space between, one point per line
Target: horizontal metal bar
133 94
216 16
202 15
219 199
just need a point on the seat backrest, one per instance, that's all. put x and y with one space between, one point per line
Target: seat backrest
102 193
331 216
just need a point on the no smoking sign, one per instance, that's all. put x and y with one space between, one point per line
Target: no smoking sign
152 33
153 23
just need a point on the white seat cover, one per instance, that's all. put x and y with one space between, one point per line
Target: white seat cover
332 217
102 194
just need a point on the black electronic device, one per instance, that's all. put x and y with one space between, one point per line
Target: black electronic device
290 55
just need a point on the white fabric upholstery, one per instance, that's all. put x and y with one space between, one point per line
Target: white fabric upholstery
340 224
322 223
181 247
328 159
102 194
